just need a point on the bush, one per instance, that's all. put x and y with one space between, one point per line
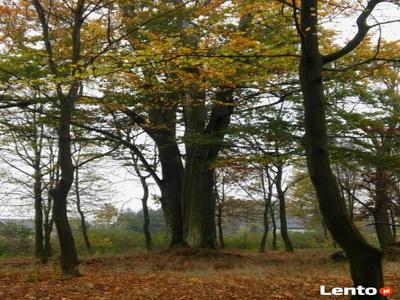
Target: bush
246 240
111 240
15 239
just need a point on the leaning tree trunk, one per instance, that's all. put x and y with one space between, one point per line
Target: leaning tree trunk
365 261
282 210
69 256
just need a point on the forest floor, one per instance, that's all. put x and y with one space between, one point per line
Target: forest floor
186 274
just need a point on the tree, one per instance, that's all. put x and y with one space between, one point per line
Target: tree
365 261
27 145
374 146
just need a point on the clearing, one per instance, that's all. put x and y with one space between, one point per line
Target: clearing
186 274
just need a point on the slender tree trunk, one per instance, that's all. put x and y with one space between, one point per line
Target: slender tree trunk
48 227
267 196
282 210
146 217
394 227
264 237
48 216
274 237
365 261
84 227
39 250
220 228
381 212
69 255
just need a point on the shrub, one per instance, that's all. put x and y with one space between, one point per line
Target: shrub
15 239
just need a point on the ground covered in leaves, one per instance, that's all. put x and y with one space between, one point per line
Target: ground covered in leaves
186 274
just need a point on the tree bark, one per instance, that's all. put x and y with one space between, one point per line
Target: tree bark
199 226
69 255
146 217
365 261
394 227
381 211
48 227
282 210
267 196
39 248
198 183
220 228
84 228
274 237
264 236
171 185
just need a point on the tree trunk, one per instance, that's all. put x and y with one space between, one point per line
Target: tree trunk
381 212
48 227
282 210
69 256
48 216
394 227
220 228
84 227
146 217
365 261
267 196
263 241
274 237
39 250
199 200
171 186
198 183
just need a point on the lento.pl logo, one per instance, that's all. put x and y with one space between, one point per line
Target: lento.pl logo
359 290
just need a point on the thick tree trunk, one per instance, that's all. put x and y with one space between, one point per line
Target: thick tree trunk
282 210
199 200
383 228
171 186
198 197
365 261
69 256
